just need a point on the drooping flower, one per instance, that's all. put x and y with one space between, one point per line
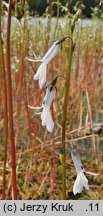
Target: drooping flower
45 114
81 180
51 53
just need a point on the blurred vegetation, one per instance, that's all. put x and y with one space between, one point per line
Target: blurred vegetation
38 155
89 7
38 167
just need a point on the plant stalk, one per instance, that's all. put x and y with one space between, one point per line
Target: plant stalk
68 75
10 105
5 110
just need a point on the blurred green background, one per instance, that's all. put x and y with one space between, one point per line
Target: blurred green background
89 7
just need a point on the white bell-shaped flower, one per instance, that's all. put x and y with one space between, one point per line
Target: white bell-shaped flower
51 53
81 180
41 74
46 117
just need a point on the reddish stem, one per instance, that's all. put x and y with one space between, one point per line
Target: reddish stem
27 109
10 106
5 110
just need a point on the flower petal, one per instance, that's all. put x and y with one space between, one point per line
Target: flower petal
80 182
76 160
41 74
91 173
78 187
84 180
32 107
49 97
33 60
47 119
51 53
38 113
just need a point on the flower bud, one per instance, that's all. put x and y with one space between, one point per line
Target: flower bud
74 20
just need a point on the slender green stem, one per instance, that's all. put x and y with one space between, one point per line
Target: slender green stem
64 122
68 76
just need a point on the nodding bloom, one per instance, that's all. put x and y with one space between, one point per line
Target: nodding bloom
45 114
81 180
51 53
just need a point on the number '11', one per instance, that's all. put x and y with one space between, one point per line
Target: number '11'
92 205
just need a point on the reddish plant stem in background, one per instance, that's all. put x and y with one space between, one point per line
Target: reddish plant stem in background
48 25
23 42
5 111
25 88
27 109
10 106
19 89
21 72
53 168
91 127
52 178
57 18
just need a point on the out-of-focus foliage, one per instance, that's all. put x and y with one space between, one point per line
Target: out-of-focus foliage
5 6
37 7
19 10
39 176
89 7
